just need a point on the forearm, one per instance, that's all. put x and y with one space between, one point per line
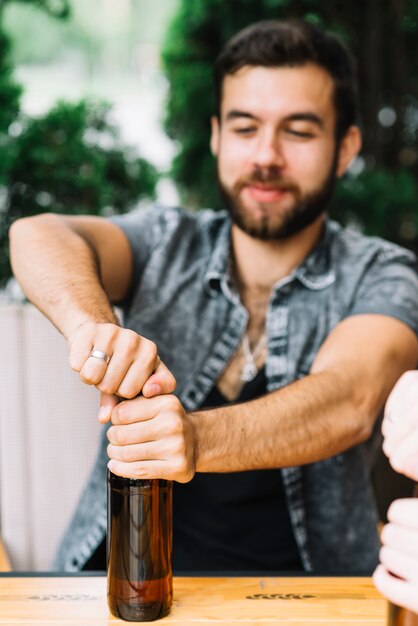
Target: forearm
307 421
58 272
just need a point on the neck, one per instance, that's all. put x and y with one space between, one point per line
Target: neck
260 264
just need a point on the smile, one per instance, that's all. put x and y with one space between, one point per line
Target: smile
264 193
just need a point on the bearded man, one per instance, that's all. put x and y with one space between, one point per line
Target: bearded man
284 332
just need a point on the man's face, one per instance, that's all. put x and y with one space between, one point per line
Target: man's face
276 148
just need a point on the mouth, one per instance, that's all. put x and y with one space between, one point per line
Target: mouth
266 193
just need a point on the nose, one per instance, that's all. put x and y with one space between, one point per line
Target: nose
268 152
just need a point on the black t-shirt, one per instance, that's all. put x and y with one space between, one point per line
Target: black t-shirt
233 522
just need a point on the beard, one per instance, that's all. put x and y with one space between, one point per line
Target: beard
303 211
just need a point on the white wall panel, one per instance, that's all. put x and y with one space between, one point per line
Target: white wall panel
48 436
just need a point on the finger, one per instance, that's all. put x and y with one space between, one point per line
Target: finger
80 348
398 591
400 538
404 513
141 469
160 382
103 337
114 374
400 564
134 359
402 417
141 431
406 424
148 451
141 409
134 380
132 411
107 404
84 339
404 456
402 404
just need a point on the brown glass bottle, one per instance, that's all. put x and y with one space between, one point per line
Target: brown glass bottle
398 616
139 547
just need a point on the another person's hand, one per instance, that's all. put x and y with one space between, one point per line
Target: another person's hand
152 438
397 575
134 366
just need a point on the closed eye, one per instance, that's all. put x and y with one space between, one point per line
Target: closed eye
245 131
299 133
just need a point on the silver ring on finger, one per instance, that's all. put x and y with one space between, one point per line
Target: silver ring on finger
102 356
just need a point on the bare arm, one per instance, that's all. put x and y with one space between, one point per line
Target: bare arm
321 415
71 267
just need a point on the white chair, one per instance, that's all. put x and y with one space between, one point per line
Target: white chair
48 436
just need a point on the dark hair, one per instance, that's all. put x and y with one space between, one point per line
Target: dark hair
293 43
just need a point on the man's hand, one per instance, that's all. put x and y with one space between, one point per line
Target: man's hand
152 438
134 365
397 575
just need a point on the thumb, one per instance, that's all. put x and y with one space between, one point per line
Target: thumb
160 382
107 404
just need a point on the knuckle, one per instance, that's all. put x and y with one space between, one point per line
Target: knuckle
89 378
139 471
110 434
150 350
108 384
383 534
130 340
128 390
172 383
111 330
106 387
181 447
180 467
115 436
171 403
74 362
177 426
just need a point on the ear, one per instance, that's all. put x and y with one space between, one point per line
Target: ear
350 146
214 137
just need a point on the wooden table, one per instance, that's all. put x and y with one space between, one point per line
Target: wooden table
81 601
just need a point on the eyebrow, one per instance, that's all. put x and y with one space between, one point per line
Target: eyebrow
232 115
304 116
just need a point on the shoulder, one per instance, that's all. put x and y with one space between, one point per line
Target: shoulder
374 275
160 221
355 255
151 227
359 249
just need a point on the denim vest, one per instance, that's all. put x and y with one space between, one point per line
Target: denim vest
183 298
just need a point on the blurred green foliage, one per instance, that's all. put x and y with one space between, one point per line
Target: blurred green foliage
69 160
9 107
55 8
383 198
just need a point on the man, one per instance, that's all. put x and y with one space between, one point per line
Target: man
397 574
294 329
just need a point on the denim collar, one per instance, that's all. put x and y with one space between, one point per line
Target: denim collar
315 272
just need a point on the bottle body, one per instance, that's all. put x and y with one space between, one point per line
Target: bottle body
139 547
398 616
